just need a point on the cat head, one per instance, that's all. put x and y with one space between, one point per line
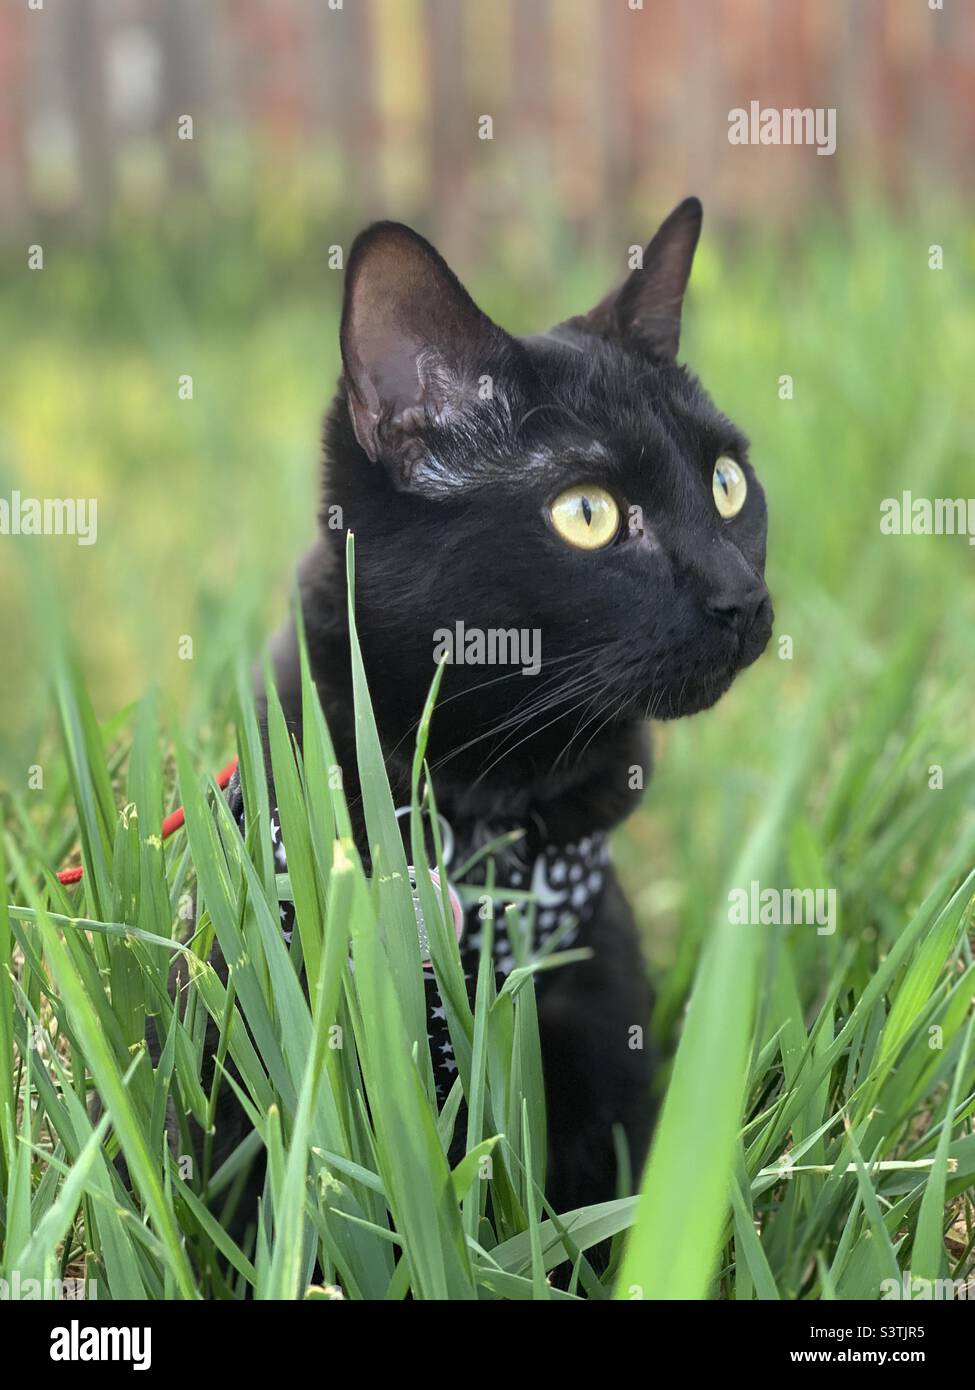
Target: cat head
578 485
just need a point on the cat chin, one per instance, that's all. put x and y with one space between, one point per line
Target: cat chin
692 700
693 704
684 701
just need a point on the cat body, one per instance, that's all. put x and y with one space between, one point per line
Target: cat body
593 1014
578 485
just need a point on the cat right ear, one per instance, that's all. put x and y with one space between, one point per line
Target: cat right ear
413 344
646 308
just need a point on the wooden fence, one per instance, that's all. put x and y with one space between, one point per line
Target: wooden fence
591 106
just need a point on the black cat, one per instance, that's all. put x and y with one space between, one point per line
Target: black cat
579 490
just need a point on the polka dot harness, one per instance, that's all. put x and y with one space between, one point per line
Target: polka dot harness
565 882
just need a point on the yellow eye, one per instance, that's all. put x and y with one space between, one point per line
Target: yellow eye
729 487
585 516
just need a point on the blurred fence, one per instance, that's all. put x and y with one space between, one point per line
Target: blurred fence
593 104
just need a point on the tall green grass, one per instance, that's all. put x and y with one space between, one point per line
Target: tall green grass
816 1130
841 1133
337 1081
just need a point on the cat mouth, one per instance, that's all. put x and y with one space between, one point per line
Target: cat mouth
756 639
686 700
747 641
693 696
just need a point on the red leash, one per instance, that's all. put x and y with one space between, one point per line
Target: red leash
173 822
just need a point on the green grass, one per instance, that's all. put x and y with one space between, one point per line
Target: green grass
818 1090
339 1084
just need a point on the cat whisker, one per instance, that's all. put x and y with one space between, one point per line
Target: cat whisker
516 720
615 712
584 721
540 691
546 677
531 734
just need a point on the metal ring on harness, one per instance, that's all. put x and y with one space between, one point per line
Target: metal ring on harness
446 834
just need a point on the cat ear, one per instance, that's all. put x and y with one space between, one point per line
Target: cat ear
646 308
413 344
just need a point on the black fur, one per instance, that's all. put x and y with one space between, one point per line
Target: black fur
446 487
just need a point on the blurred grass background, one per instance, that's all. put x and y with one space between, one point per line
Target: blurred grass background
210 258
215 258
205 504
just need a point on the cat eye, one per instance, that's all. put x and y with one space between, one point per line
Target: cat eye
586 516
729 487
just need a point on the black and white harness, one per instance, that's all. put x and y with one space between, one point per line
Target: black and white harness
564 882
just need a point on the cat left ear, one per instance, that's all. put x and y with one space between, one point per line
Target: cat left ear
646 308
413 343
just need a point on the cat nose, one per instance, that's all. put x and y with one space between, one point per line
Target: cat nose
738 607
